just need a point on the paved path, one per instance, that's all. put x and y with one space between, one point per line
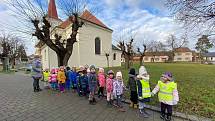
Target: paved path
19 103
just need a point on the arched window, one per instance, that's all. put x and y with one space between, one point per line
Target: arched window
114 56
97 46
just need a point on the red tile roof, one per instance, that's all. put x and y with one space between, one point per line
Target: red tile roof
183 49
52 10
85 16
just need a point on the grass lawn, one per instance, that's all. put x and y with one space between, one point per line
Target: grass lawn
196 85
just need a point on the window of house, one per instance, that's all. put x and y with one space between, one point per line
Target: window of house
146 59
211 58
179 54
114 56
179 59
187 53
187 58
157 59
97 45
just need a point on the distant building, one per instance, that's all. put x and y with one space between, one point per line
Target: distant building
183 54
209 57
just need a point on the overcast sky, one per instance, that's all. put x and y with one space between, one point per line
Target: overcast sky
147 19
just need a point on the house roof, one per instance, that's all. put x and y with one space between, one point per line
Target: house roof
163 53
87 16
52 10
183 49
210 54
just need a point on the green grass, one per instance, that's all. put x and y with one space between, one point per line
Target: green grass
196 85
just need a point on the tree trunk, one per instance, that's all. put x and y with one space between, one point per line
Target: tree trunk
141 61
60 57
107 61
127 62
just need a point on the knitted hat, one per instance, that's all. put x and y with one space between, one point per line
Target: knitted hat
168 75
110 72
53 70
101 70
92 67
81 68
132 71
143 73
119 73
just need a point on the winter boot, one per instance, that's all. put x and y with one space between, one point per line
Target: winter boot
131 104
35 89
168 117
143 114
162 116
90 102
94 100
135 106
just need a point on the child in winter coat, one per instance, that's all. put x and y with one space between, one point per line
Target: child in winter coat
53 79
92 81
73 77
118 88
109 87
61 79
143 89
132 85
101 81
68 81
46 75
167 94
82 82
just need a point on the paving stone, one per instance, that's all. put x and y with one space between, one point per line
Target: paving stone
20 103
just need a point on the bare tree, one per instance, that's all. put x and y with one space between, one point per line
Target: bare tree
107 57
34 13
194 13
127 51
11 47
174 43
142 53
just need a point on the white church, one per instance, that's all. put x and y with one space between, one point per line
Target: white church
94 41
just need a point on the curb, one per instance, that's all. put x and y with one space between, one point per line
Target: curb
176 114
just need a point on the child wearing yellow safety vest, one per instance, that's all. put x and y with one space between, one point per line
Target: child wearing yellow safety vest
167 94
143 90
46 75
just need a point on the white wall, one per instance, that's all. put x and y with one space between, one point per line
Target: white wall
116 62
84 48
87 35
183 56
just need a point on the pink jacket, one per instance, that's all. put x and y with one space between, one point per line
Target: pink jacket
109 85
101 78
53 78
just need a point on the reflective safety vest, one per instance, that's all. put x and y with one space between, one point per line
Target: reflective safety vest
145 89
46 76
166 91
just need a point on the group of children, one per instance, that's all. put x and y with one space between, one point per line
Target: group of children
85 81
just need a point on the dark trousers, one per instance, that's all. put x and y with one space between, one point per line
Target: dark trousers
101 91
36 84
134 97
165 107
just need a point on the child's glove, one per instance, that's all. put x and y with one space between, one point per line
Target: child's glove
152 94
175 102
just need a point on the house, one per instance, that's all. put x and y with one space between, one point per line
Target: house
153 57
209 57
183 54
94 42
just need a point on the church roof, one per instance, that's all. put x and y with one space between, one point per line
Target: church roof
52 10
87 16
